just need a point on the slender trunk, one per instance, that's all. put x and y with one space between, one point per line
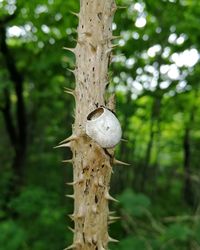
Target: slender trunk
188 194
18 133
187 190
92 164
155 113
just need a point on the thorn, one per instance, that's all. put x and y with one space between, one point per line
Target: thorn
71 70
70 91
111 222
79 216
101 248
70 247
70 49
70 196
116 37
115 161
81 212
113 46
108 51
72 216
96 182
80 42
113 218
112 212
64 145
77 41
71 183
73 39
68 161
114 8
110 239
74 13
71 229
94 238
70 138
89 240
109 197
101 184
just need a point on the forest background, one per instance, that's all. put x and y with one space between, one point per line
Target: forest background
156 76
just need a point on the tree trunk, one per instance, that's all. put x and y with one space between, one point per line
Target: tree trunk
17 133
91 163
188 190
188 193
155 113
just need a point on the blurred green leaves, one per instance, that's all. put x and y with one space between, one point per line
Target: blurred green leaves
35 219
42 218
132 243
145 231
133 203
177 232
12 236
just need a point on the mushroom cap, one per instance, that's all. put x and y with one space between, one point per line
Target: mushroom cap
103 127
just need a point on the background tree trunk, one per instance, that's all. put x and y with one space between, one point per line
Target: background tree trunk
92 164
14 119
187 155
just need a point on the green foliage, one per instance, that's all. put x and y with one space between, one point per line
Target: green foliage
146 232
12 236
177 232
134 204
155 74
40 216
132 243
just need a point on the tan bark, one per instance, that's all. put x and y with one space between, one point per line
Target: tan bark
92 164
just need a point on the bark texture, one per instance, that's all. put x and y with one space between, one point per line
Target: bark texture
92 164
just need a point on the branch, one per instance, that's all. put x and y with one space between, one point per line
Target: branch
17 80
7 19
6 111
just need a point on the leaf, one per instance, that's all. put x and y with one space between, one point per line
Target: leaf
12 236
134 204
131 243
177 232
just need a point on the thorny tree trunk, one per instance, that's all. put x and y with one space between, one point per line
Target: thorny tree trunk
92 164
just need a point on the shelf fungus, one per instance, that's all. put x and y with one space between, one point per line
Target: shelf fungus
103 127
